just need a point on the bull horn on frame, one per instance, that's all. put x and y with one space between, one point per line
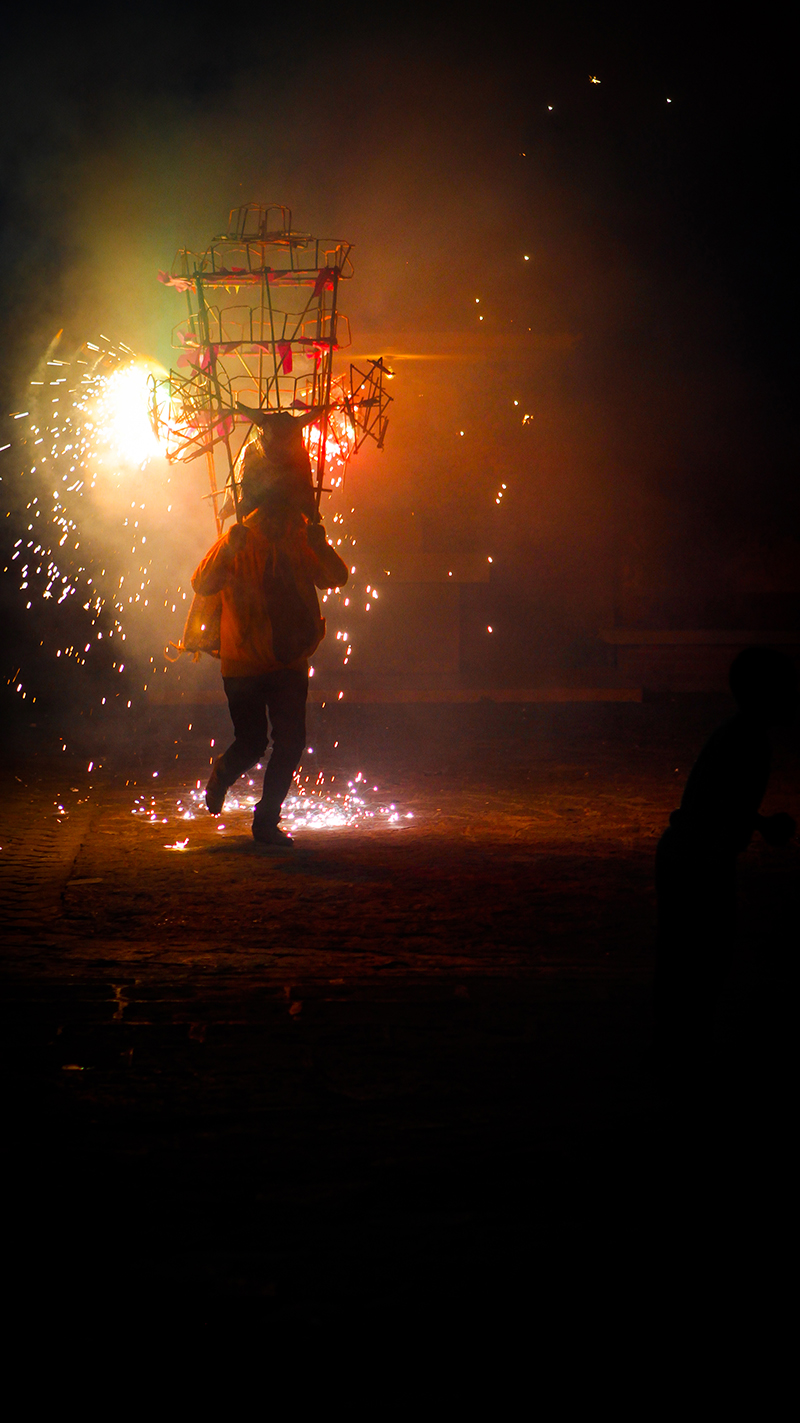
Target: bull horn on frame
263 417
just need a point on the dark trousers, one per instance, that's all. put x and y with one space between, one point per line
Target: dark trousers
282 695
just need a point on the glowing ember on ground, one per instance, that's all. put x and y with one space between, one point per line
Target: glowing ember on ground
321 808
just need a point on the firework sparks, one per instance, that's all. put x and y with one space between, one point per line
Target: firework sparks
100 509
103 509
309 806
100 458
91 447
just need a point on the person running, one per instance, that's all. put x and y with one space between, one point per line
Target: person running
267 570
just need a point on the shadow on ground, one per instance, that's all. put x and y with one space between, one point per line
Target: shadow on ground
399 1075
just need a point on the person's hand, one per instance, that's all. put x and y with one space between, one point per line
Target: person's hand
317 537
778 829
237 537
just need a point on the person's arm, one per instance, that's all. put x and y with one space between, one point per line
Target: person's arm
215 571
328 569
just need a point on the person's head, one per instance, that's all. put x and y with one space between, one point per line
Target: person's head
764 683
280 435
279 441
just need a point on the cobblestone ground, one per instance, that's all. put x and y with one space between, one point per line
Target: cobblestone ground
390 1067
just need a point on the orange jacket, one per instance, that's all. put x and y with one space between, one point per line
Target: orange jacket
239 576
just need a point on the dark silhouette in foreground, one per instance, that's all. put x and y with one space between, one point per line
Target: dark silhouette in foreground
697 854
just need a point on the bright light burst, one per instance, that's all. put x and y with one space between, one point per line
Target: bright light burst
89 443
339 444
120 408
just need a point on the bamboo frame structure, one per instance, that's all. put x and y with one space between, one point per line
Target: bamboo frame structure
270 349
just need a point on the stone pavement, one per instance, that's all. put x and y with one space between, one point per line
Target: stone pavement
284 1084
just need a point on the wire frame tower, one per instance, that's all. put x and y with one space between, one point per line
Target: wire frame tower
261 332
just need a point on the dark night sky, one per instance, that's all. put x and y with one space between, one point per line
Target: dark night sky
649 334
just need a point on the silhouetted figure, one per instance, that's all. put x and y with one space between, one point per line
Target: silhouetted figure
696 856
266 570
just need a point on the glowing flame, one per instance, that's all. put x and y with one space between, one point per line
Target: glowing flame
122 412
339 444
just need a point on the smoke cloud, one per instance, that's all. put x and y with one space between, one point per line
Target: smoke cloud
589 400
